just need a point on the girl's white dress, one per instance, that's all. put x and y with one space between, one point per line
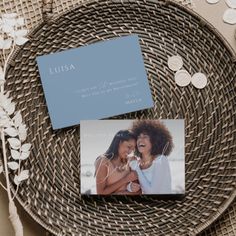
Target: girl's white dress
156 179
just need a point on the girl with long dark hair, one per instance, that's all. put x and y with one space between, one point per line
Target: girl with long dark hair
113 174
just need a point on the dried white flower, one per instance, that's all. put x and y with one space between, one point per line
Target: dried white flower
17 119
24 155
9 15
2 79
20 21
13 165
12 32
14 143
12 132
2 113
22 132
6 44
26 147
21 40
22 176
12 27
15 154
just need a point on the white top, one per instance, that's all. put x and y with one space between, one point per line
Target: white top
157 178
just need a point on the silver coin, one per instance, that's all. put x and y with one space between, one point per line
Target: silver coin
175 63
230 16
212 1
182 78
231 3
199 80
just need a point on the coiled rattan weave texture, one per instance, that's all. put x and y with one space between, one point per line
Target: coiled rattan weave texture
51 195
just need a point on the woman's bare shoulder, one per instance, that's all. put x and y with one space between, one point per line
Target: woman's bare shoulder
102 160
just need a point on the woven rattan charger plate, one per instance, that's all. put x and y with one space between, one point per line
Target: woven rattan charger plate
51 194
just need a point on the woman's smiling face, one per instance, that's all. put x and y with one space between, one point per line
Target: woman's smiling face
144 144
125 148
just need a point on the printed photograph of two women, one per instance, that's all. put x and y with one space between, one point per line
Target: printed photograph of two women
132 157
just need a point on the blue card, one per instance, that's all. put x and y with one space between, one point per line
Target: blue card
97 81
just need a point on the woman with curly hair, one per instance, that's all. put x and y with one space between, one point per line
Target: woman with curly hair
154 144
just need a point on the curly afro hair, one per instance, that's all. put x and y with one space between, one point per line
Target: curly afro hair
159 135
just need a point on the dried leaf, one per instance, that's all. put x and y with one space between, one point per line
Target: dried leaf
10 108
12 132
20 40
24 155
21 33
9 15
7 28
20 21
1 43
15 154
2 113
14 143
16 181
2 81
22 132
5 44
9 21
26 147
1 75
12 34
13 165
1 71
17 119
4 122
23 175
3 96
4 101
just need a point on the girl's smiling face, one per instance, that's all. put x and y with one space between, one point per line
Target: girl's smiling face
144 144
125 148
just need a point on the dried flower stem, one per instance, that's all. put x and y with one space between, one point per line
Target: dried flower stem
6 63
7 188
15 123
5 164
3 186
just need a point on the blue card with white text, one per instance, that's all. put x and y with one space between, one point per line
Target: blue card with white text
97 81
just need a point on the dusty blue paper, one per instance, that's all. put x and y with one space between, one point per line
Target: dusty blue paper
97 81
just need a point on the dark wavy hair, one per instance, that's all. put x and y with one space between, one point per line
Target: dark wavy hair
121 136
160 136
